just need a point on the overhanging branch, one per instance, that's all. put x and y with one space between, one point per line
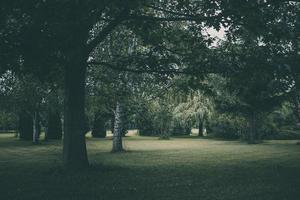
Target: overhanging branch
150 71
106 31
170 19
169 11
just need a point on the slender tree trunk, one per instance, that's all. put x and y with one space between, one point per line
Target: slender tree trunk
298 109
118 127
36 129
99 126
74 148
201 126
252 132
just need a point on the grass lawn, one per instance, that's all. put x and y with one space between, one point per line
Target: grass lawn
180 168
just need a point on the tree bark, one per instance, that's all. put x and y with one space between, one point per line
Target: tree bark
118 127
99 130
74 148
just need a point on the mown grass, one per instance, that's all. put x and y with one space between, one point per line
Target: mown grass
180 168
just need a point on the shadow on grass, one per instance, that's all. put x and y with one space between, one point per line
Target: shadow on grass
14 142
246 181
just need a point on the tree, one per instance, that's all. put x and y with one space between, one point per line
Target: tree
277 32
198 107
254 87
16 96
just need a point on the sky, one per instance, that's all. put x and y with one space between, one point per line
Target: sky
220 35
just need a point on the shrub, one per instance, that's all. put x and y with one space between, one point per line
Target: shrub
228 126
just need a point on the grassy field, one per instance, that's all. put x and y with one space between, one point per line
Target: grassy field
180 168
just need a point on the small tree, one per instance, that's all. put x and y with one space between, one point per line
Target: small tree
197 109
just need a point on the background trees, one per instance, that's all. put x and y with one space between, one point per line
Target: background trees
124 39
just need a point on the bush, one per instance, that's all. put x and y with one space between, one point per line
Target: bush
280 124
228 126
153 119
8 121
284 135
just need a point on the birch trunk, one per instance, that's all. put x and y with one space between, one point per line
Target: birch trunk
118 128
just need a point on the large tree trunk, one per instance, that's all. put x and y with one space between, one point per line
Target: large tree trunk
25 126
118 128
74 148
99 130
54 125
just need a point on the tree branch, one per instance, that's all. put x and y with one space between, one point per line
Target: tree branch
106 31
169 11
170 19
148 71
